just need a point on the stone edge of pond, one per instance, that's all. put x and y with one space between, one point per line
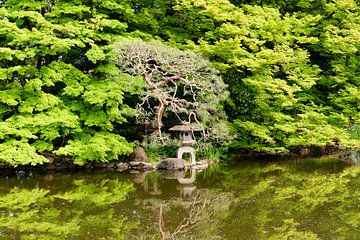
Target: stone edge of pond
137 166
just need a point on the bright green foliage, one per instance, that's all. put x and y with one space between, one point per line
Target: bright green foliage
291 67
58 92
71 214
292 74
340 42
14 152
100 146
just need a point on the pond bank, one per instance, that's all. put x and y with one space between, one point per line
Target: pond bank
141 163
171 164
305 152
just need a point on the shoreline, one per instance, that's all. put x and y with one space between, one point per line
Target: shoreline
346 155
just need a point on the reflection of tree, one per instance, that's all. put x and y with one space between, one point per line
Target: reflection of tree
149 181
170 216
189 222
330 200
254 201
200 219
82 212
281 201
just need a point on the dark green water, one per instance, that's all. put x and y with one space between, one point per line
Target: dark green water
305 199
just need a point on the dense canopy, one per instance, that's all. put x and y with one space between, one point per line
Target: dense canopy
290 67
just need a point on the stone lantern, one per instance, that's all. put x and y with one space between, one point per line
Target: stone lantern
186 140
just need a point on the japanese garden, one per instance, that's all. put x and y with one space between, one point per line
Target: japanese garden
179 119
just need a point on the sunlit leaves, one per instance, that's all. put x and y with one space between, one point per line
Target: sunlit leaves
50 90
289 64
16 152
100 146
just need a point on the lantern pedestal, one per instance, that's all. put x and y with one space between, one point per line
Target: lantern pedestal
187 149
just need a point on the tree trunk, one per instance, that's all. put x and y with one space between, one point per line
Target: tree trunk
158 118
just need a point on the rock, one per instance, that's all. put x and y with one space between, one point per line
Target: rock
51 167
70 166
51 159
141 165
171 164
201 166
134 163
110 165
352 157
59 167
139 155
147 165
88 166
121 167
100 165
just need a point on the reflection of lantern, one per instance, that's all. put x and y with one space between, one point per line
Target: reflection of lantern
186 140
189 180
187 187
186 191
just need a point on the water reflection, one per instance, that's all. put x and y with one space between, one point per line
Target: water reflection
150 182
312 199
179 209
187 186
70 209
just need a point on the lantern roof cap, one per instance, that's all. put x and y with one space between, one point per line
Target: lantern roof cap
184 128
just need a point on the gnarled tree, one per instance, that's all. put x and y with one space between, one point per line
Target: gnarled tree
177 83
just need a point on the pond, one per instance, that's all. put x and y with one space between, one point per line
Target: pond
297 199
